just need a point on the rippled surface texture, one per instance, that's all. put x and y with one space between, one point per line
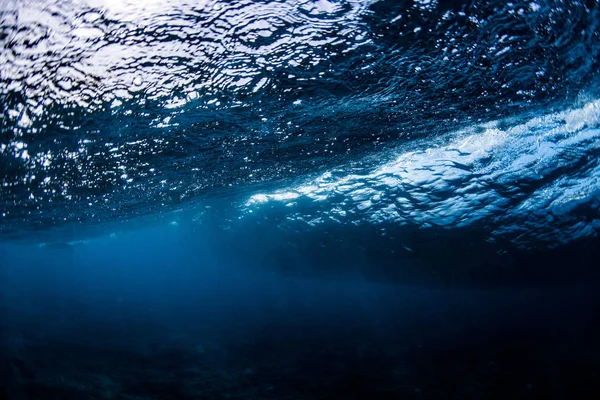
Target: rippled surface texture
421 112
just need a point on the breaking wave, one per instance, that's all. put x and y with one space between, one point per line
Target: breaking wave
419 113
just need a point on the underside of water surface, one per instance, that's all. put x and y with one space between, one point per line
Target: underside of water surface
299 199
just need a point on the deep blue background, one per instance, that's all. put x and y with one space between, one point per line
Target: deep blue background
161 312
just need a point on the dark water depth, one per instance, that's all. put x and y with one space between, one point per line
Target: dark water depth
155 314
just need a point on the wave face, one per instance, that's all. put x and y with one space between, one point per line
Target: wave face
533 184
417 113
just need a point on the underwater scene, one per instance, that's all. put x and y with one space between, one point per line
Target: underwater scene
299 199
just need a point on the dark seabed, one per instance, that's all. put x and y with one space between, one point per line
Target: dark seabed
299 199
159 314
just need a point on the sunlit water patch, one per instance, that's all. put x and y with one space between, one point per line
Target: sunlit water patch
535 183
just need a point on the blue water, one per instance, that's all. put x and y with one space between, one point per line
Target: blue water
299 199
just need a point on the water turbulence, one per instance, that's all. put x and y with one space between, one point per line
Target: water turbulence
408 142
113 110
